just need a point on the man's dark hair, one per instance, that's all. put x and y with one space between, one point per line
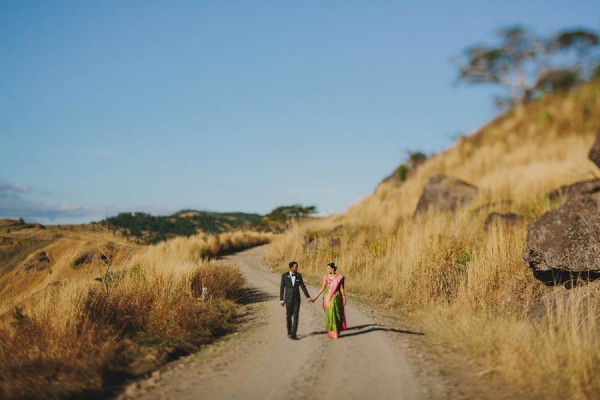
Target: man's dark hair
293 263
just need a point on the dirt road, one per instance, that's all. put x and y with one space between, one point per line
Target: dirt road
261 362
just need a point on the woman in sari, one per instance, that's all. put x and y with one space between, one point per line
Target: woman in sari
334 301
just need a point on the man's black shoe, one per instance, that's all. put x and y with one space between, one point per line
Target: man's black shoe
293 337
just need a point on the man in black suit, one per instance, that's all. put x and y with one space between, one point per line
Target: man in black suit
290 283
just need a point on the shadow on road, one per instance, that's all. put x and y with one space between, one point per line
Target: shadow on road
250 295
362 329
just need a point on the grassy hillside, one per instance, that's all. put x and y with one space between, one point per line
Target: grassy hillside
467 285
36 258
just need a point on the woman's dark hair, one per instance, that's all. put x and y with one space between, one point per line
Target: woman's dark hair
332 266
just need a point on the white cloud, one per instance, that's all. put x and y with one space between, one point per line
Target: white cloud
11 190
14 205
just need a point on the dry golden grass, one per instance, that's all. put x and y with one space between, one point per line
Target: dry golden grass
83 337
20 285
467 284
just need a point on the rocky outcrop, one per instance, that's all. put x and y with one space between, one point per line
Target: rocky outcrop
83 259
576 189
331 239
506 219
445 194
40 261
566 239
594 153
563 245
487 207
312 246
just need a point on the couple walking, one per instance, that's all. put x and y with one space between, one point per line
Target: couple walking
334 300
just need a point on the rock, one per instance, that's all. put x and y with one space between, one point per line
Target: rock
312 246
329 239
499 218
335 235
568 278
489 206
445 194
553 302
563 245
39 261
579 188
594 153
566 239
83 259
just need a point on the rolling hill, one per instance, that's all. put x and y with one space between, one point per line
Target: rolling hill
461 279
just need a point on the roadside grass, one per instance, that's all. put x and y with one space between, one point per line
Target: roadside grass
86 338
467 284
468 287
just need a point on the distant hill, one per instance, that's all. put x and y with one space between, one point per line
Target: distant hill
148 229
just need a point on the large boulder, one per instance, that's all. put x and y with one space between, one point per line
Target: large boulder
594 153
566 239
446 194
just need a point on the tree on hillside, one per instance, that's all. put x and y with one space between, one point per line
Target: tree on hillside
279 219
596 71
415 158
528 66
283 213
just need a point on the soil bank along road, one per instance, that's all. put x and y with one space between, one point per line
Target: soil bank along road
261 362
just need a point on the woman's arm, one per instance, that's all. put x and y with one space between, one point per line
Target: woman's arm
320 291
342 292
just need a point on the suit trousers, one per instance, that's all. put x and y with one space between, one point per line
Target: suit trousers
292 312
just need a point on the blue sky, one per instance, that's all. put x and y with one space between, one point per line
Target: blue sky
158 106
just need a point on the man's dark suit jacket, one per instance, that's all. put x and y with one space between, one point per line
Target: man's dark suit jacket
292 293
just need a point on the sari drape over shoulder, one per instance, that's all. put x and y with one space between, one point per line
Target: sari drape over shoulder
334 307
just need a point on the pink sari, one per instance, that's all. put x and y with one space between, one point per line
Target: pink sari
335 318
